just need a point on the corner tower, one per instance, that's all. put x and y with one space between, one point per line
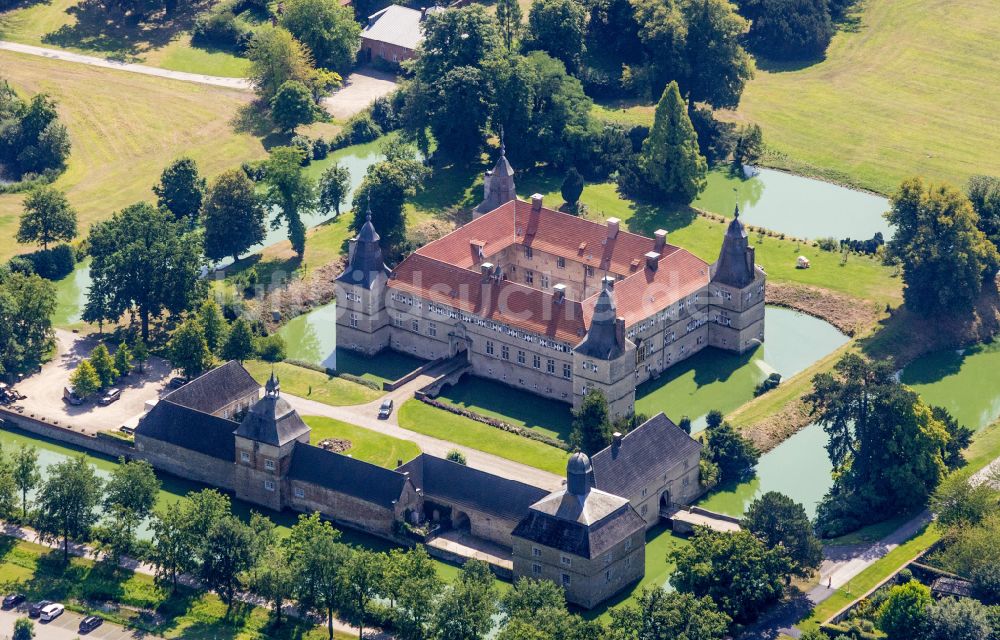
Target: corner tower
498 184
362 320
736 293
264 444
604 360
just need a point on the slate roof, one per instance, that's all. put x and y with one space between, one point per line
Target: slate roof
271 420
213 390
643 455
735 266
366 261
586 526
444 480
396 25
603 340
344 474
190 429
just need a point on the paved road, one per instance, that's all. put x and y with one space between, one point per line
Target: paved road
360 89
365 415
67 627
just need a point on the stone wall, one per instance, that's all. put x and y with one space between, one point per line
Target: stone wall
44 429
185 463
348 510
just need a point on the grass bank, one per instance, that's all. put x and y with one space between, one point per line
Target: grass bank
422 418
314 385
367 445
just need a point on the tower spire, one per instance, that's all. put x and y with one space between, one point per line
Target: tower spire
503 147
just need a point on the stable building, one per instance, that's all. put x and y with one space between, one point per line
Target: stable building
550 302
394 33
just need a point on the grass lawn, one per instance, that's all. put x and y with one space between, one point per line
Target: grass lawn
314 385
370 446
417 416
80 27
546 416
385 367
38 572
125 128
903 94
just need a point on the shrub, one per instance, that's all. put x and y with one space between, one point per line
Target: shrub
54 263
828 244
304 144
254 170
771 382
384 114
220 27
271 348
21 264
359 129
456 456
320 149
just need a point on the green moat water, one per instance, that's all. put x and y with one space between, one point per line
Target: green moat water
801 207
966 382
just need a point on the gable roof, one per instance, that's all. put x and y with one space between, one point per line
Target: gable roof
213 390
644 454
189 429
441 479
396 25
344 474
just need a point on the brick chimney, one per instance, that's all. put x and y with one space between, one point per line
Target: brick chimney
652 260
608 281
620 331
613 225
486 268
536 202
559 291
661 239
616 439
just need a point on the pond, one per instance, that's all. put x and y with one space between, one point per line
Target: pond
799 468
715 379
801 207
174 489
966 382
71 291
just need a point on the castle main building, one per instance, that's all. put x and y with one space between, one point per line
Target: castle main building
550 302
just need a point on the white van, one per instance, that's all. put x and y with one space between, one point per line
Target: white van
52 612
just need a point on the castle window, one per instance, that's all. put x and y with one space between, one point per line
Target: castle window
520 357
561 262
528 253
545 281
607 575
300 492
700 340
536 552
269 485
628 562
529 277
550 366
607 558
489 347
590 271
567 371
536 361
565 580
505 352
415 325
269 465
566 561
536 569
432 329
244 456
644 509
398 320
628 544
354 321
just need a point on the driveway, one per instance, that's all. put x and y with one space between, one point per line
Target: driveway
44 390
360 89
66 627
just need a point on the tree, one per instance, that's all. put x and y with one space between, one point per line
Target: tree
456 456
413 585
213 324
26 474
133 486
123 360
104 365
509 18
8 488
959 437
188 350
140 353
558 27
591 424
670 162
685 424
362 578
239 342
225 556
172 552
659 615
736 570
233 215
26 306
572 187
85 381
181 189
327 28
33 140
291 190
984 194
47 217
467 606
334 186
903 615
293 106
779 521
958 619
383 192
68 500
788 29
536 610
275 58
528 597
465 37
275 581
749 146
147 261
959 503
945 257
735 455
462 100
24 629
317 553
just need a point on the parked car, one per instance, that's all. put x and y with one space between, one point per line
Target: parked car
113 395
70 396
51 612
176 382
385 410
129 431
90 623
35 610
12 600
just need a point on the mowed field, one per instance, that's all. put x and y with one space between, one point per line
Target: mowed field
913 91
125 129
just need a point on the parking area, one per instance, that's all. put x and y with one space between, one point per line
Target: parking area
360 89
66 627
43 391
